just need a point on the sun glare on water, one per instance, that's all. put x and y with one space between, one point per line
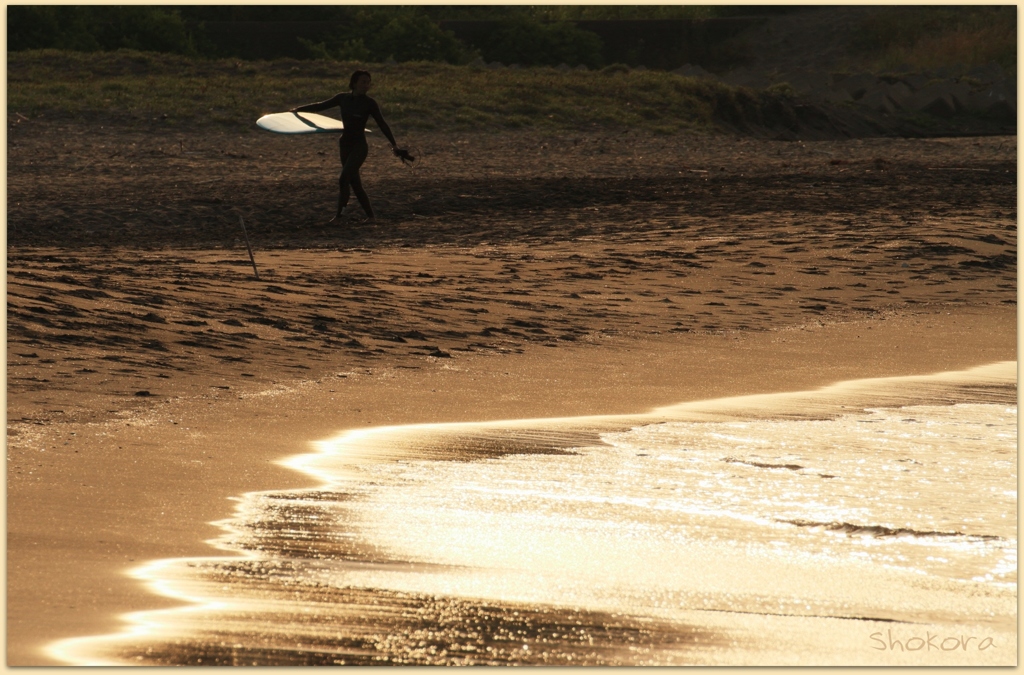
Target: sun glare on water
672 538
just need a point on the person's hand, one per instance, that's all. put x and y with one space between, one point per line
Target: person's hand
403 154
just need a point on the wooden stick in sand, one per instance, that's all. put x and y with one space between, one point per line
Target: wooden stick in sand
251 257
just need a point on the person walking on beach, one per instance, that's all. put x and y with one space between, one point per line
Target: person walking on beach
356 108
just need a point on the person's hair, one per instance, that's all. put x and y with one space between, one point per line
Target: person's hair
355 77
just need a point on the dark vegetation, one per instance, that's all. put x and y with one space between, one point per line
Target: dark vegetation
654 36
594 36
928 38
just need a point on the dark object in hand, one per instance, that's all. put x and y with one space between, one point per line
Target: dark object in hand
404 155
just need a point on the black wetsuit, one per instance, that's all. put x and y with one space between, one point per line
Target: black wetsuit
355 111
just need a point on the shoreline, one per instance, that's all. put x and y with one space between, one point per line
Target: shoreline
163 509
159 629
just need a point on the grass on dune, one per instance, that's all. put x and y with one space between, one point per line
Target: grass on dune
930 37
144 86
966 46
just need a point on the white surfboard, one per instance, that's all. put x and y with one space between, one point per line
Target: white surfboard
300 123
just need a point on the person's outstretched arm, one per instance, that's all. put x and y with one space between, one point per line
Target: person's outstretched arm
317 107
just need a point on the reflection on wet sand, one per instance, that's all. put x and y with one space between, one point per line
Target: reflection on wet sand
757 530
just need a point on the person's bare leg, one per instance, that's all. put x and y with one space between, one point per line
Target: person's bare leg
351 159
343 191
364 199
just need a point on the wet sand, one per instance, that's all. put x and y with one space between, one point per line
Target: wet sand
597 284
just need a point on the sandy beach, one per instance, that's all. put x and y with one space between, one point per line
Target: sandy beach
151 378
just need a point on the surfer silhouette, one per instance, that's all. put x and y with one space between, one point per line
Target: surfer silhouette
356 109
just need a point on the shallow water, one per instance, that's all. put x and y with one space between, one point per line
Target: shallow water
793 528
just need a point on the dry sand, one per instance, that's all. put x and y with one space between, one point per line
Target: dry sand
509 276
